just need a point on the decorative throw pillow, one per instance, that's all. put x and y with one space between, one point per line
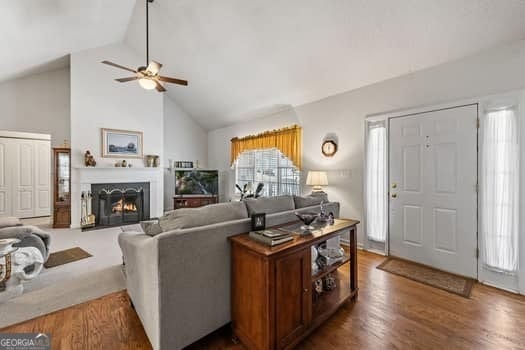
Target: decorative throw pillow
151 227
207 215
270 205
308 201
10 221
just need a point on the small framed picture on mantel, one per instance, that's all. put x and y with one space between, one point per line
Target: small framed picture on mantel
121 144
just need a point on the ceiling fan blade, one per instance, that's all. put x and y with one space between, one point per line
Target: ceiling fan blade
159 87
173 80
119 66
154 67
123 80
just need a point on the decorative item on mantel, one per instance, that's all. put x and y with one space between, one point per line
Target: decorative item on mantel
123 164
152 161
89 160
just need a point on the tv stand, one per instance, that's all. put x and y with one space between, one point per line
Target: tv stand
193 201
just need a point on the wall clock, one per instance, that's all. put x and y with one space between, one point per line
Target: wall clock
329 148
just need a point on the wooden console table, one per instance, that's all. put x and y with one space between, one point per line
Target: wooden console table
272 302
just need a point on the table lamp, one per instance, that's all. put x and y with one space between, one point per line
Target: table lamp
317 179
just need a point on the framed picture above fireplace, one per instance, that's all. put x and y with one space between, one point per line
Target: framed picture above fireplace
121 143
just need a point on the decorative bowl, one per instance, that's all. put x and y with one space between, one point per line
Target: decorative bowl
307 219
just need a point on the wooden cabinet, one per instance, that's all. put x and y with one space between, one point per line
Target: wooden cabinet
293 296
62 188
193 201
272 287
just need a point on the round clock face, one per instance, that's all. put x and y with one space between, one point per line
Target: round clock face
329 148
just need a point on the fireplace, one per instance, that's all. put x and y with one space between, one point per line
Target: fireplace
118 204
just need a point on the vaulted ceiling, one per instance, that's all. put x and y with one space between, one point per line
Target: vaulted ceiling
242 57
37 35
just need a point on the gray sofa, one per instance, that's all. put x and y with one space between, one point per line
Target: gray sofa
178 275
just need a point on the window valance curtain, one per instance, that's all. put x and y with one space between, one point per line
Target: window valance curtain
287 140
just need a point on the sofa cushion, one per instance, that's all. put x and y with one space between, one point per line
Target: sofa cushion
270 205
151 227
207 215
10 221
308 201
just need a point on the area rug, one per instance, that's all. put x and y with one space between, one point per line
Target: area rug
439 279
66 256
61 295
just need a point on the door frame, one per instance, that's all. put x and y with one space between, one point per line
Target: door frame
387 117
517 283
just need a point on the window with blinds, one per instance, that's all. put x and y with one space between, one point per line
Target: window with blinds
272 168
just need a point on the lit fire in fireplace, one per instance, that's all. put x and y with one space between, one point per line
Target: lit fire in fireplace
121 205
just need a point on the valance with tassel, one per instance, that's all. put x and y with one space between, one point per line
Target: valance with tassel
287 140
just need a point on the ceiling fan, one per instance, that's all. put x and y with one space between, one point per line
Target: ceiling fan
148 76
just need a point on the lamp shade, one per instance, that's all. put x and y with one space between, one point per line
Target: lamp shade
316 178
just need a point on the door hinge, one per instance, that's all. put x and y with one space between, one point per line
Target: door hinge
477 123
477 187
477 252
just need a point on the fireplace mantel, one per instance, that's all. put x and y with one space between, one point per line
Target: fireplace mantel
84 177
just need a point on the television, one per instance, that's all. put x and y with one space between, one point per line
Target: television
195 182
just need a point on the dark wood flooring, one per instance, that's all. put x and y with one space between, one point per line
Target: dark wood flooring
391 313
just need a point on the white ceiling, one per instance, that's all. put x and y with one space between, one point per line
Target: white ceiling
244 56
247 58
37 35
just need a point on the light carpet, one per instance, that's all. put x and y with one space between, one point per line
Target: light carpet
73 283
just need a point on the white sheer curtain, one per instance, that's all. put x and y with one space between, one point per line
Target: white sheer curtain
376 182
500 190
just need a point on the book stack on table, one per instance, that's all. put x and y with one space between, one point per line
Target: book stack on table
271 237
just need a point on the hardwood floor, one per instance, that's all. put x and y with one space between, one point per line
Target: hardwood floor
391 313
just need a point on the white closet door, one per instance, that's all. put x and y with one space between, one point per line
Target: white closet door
433 201
24 178
42 203
5 178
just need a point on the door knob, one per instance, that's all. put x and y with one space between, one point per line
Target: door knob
394 195
394 185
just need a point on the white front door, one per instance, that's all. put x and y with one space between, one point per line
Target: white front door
433 197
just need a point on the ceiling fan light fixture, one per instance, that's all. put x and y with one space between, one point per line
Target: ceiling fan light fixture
148 76
147 83
153 67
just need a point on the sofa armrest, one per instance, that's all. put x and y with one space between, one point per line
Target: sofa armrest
140 254
195 281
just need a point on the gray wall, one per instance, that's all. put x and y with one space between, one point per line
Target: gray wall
184 140
38 103
494 71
